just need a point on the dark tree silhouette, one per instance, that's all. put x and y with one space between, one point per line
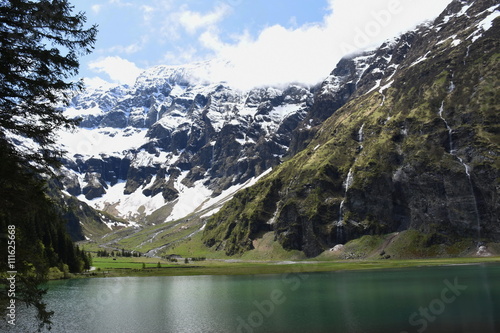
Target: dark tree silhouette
40 43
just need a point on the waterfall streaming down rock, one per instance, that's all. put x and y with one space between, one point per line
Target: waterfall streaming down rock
467 53
347 184
341 213
467 168
361 135
476 210
349 180
340 223
450 130
451 88
339 226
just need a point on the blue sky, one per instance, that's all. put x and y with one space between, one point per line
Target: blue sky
267 41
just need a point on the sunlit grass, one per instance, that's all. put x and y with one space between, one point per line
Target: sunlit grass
134 266
111 263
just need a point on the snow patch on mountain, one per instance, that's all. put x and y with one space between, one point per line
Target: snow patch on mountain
130 206
175 138
485 24
95 141
189 201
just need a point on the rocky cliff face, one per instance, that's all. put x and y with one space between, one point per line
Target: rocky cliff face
174 139
410 140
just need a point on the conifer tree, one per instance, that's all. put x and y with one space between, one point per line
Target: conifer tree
40 43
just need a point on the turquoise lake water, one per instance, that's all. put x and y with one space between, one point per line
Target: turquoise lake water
463 298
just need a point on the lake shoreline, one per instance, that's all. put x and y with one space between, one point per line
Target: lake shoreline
125 267
459 298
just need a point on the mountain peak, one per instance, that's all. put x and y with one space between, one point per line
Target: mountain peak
370 150
399 138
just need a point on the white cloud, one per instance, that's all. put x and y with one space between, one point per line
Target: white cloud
309 53
168 21
120 3
181 55
96 8
379 19
119 70
131 48
293 21
193 21
96 82
210 40
147 12
275 55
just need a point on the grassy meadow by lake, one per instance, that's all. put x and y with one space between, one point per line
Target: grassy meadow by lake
144 266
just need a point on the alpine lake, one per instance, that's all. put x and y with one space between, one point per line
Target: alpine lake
449 298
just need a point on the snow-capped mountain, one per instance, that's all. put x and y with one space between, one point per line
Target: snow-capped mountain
175 140
413 151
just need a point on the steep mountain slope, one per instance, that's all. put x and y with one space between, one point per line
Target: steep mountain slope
173 141
416 146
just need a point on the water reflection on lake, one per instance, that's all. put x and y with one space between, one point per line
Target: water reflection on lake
437 299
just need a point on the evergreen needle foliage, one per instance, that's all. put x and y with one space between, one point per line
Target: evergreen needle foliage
40 42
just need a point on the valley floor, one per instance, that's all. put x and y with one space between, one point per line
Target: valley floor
108 267
391 251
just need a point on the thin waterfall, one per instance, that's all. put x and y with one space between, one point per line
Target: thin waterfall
361 134
452 87
340 223
467 53
471 187
467 168
450 130
347 184
349 180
